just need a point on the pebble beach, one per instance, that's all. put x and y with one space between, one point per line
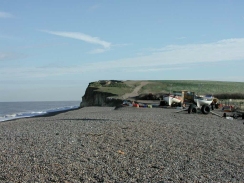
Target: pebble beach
101 144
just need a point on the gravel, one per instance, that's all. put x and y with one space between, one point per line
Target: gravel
100 144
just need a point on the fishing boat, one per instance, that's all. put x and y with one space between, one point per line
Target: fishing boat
172 98
203 99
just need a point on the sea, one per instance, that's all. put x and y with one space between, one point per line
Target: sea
15 110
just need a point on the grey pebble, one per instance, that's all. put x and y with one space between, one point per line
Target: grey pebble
100 144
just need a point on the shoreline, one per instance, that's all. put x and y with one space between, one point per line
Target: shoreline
100 144
54 113
48 114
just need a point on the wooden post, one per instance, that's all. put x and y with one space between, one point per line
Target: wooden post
183 92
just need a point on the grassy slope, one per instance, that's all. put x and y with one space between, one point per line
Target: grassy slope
164 86
201 87
118 89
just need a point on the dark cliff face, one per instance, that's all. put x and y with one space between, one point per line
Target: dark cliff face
93 97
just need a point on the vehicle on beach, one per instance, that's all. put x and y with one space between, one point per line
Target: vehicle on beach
205 109
201 103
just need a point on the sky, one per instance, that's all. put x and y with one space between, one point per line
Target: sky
52 50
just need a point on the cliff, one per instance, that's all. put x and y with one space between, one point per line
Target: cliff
111 92
94 97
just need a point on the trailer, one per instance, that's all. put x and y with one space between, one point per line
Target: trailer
235 114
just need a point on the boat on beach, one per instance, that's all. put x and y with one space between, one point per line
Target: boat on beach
203 99
141 103
172 98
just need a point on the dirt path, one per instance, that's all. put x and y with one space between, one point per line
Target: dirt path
135 91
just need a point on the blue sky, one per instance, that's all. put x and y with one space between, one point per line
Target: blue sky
51 50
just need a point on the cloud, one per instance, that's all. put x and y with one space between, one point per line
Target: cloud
171 57
5 15
223 50
5 56
83 37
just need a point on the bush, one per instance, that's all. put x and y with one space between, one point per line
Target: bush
230 96
95 84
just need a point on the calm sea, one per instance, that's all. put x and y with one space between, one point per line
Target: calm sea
14 110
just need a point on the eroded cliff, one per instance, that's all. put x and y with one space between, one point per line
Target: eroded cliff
94 97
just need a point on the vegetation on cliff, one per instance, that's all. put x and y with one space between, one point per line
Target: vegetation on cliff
165 86
117 88
102 92
199 87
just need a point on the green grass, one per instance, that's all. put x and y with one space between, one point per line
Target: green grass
116 90
201 87
132 83
165 86
154 87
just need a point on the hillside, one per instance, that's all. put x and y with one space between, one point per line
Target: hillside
113 91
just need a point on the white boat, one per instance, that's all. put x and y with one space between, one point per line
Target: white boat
203 99
172 99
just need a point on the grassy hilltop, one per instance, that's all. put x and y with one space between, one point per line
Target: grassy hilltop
165 86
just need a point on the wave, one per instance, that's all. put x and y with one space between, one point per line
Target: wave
35 113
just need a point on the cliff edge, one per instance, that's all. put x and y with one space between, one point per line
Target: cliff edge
103 93
113 92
